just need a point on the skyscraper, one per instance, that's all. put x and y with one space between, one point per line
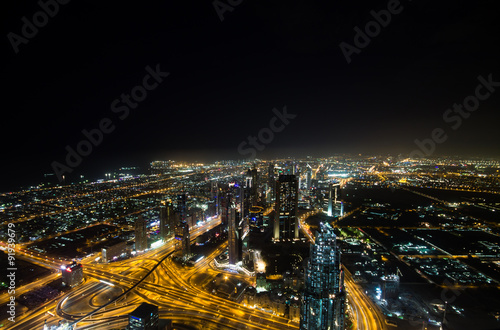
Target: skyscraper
308 177
181 207
225 205
254 185
182 235
244 250
271 180
286 224
323 302
233 236
141 239
167 220
330 200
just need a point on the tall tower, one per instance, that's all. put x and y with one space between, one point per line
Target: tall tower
254 187
308 178
271 180
181 207
186 242
233 236
214 192
330 201
286 223
251 188
182 235
224 216
167 220
323 302
141 240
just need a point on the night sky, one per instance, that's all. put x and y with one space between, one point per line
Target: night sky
225 77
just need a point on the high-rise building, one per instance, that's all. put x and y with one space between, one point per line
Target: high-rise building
252 185
335 201
233 236
225 206
213 190
271 181
330 200
323 301
244 249
168 220
144 317
141 238
181 207
308 178
182 235
286 223
72 275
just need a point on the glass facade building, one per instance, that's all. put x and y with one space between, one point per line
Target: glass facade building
286 224
323 302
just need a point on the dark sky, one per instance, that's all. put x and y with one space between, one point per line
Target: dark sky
227 76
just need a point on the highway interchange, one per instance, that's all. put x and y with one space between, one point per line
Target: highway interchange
172 288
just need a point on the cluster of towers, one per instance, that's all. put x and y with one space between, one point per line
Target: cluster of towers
172 225
323 300
240 206
236 210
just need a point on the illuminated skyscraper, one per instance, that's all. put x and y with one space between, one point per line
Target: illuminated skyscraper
254 196
141 239
286 223
214 192
271 181
224 207
182 235
323 302
308 178
233 236
330 201
181 207
168 220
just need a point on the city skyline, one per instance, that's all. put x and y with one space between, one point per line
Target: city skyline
99 249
